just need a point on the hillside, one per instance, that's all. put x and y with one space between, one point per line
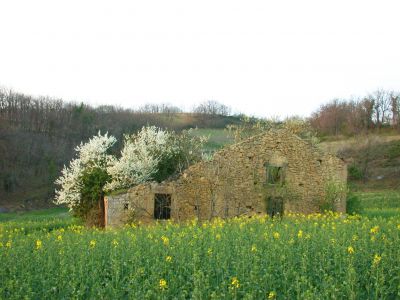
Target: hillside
38 137
373 160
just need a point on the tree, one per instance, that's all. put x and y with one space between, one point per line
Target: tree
81 183
154 154
213 108
382 102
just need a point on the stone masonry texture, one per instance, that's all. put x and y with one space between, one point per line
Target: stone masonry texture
235 183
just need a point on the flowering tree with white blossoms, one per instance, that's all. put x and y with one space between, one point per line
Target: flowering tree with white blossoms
81 183
140 158
154 154
151 154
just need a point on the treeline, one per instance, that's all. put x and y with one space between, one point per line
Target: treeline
375 111
38 135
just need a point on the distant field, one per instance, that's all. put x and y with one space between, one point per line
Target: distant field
35 215
385 203
218 138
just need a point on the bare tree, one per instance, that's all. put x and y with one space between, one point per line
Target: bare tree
212 108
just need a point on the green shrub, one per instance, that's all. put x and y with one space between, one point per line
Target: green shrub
334 193
353 205
355 172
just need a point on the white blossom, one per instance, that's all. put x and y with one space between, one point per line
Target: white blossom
92 154
139 158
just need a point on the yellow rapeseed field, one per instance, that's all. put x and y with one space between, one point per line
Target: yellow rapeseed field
318 256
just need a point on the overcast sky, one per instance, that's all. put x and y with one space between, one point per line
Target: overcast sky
264 58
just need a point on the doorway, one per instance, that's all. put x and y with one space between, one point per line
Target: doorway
162 206
275 206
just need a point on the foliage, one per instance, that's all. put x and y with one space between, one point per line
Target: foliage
248 127
241 258
334 193
81 184
353 204
140 157
154 154
355 172
253 126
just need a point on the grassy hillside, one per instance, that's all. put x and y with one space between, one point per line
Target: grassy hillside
373 161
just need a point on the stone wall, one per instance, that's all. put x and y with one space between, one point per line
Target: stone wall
234 182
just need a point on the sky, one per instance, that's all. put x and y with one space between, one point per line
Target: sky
262 58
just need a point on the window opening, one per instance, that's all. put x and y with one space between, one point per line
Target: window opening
274 174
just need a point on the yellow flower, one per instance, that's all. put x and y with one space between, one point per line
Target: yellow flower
168 259
218 237
350 249
163 284
8 244
355 238
272 295
209 251
300 234
374 229
92 244
276 235
253 248
235 282
115 243
165 240
38 244
59 238
377 259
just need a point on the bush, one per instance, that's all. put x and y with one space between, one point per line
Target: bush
334 193
82 182
153 154
353 205
355 172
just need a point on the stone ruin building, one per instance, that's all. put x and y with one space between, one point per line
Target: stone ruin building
271 173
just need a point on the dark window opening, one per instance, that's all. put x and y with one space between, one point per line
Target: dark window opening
249 207
274 174
162 206
301 184
126 206
319 162
196 207
275 206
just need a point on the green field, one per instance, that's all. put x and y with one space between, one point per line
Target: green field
385 203
47 255
217 138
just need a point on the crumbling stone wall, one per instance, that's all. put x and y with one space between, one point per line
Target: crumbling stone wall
234 182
